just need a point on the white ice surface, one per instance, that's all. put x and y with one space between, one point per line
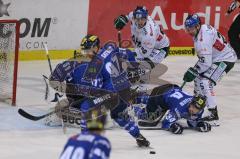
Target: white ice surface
24 139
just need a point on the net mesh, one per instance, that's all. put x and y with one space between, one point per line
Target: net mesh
7 56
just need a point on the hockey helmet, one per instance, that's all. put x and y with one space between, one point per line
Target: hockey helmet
192 20
140 12
90 41
199 101
96 118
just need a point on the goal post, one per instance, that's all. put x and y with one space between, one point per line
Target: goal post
9 49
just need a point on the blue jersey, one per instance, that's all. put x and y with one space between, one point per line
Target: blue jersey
105 70
110 71
86 146
77 77
63 70
178 103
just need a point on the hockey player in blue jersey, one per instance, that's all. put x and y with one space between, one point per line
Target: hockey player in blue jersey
91 144
108 81
179 105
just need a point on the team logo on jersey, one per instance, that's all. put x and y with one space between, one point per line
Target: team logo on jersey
3 9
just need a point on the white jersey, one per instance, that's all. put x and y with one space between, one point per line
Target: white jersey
147 38
211 47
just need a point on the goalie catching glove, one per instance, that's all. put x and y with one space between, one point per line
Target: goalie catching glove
190 75
120 22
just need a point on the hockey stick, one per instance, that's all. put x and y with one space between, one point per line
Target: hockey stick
50 66
183 84
48 58
185 127
45 78
160 128
119 39
32 117
47 88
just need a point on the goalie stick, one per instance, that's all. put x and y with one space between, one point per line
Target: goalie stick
45 78
97 101
32 117
46 86
48 58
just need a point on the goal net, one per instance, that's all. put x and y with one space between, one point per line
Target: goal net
9 45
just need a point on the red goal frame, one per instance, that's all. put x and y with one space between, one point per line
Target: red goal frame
15 68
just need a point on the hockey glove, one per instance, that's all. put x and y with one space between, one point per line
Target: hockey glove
203 126
176 128
190 75
232 7
120 22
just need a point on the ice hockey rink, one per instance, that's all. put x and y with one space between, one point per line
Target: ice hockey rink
21 138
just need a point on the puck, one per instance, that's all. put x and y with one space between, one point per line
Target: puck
152 152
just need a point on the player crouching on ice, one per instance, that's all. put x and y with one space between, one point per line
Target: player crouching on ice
150 43
102 82
91 144
216 58
179 105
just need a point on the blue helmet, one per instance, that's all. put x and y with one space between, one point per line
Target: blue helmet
140 12
192 20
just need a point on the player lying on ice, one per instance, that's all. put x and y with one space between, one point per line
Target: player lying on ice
100 82
91 144
179 105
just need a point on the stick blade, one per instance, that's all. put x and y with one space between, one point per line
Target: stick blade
28 116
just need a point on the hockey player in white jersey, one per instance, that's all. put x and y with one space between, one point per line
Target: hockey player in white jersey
215 58
150 43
